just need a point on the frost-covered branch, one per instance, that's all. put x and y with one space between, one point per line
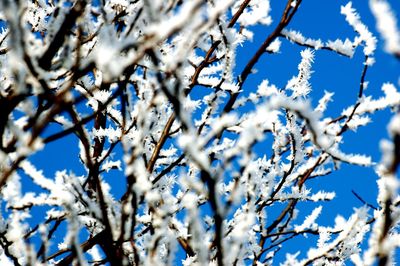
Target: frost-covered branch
176 150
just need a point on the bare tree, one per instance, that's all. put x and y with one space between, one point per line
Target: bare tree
171 111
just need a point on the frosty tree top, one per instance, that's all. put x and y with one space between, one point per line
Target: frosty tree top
160 106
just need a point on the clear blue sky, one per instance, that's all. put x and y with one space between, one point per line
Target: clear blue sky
341 75
338 74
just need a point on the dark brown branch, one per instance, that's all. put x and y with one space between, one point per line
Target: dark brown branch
99 238
363 201
84 120
285 19
360 94
59 38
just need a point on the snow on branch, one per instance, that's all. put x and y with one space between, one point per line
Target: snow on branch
365 36
141 133
387 25
345 47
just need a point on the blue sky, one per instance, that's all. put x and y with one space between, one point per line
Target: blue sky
338 74
341 75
